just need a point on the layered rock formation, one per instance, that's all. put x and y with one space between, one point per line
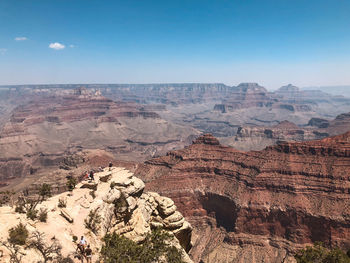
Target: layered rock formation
120 201
258 206
246 95
258 137
174 94
43 132
214 108
340 124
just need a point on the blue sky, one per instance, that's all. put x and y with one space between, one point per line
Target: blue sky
272 42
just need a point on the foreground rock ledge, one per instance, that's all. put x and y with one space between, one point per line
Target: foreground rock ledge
147 210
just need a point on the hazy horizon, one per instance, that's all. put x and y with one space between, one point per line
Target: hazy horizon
335 90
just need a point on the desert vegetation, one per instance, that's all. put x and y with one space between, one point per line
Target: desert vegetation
118 249
93 221
318 253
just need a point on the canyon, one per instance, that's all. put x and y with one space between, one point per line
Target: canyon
40 135
270 180
43 126
258 206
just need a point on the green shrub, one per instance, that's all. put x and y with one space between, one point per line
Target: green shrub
32 214
5 197
20 209
18 235
118 249
65 260
93 221
318 253
49 251
71 183
45 191
112 185
62 203
42 215
75 238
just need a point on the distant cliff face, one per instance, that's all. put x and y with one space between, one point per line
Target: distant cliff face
174 94
258 137
246 95
75 108
42 132
208 107
259 205
252 137
249 95
340 124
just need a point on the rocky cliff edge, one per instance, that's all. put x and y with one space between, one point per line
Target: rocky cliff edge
145 210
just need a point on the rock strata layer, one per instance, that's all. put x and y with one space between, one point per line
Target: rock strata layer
258 206
43 132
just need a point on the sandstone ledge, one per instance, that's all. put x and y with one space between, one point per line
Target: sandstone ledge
145 210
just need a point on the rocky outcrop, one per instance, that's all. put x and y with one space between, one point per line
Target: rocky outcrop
249 95
318 122
258 206
258 137
246 95
122 205
340 124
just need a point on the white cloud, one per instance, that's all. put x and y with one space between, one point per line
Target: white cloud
57 46
21 38
3 51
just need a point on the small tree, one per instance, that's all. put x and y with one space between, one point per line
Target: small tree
32 214
18 235
47 251
28 206
45 191
108 221
16 254
42 215
6 197
93 221
20 209
71 183
62 203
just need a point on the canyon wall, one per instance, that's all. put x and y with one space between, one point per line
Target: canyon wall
261 205
47 129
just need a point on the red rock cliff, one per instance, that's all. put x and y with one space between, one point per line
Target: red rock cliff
259 204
